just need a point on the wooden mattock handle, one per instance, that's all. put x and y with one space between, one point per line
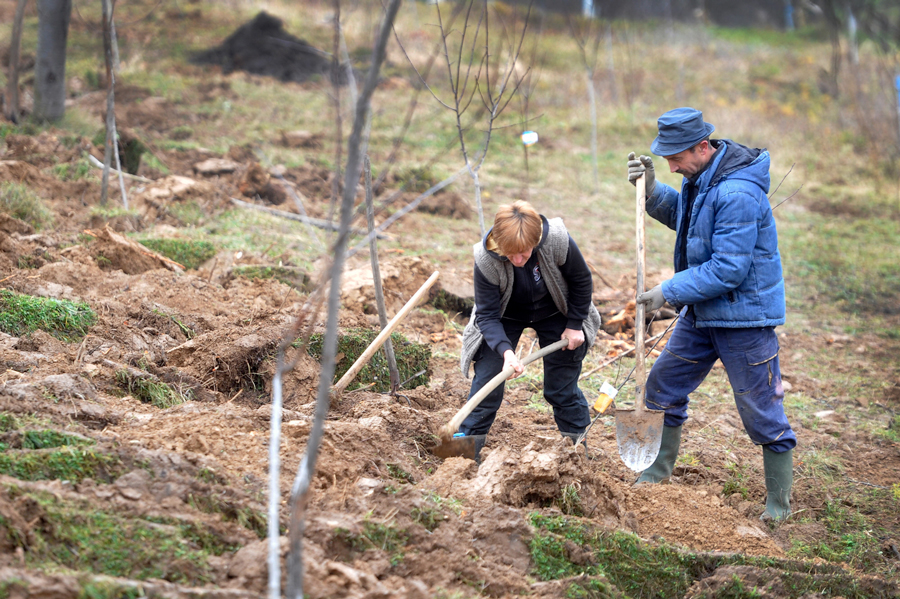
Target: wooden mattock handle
363 359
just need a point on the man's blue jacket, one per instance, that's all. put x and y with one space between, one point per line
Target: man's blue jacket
731 269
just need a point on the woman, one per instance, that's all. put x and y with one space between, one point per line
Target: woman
529 274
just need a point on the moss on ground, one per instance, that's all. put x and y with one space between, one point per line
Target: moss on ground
187 252
75 535
24 314
413 359
640 569
151 391
20 202
66 463
288 275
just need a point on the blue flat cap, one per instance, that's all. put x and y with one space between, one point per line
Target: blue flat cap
680 129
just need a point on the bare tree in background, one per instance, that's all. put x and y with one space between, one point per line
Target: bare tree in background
468 56
11 110
587 34
526 80
376 280
356 149
338 119
50 70
110 52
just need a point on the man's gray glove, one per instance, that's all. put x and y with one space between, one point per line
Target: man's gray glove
654 299
642 165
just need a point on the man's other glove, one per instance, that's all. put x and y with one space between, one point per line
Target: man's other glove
637 166
654 299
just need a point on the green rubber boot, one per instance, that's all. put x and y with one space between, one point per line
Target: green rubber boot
779 471
662 468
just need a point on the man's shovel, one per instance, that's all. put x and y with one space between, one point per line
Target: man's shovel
639 430
451 446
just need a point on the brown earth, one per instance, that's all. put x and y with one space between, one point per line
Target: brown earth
235 326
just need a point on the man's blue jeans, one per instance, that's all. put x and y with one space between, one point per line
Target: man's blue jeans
561 371
750 357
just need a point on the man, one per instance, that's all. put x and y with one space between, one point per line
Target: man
728 285
529 273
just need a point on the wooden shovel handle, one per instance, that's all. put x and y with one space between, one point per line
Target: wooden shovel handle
452 426
364 358
640 370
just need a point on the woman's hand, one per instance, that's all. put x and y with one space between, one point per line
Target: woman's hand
576 338
511 361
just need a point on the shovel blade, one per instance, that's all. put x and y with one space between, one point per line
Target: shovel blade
455 447
638 435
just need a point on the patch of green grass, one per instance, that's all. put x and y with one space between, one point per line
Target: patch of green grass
214 503
153 392
640 569
569 502
20 202
850 539
47 439
822 465
79 537
67 463
80 169
431 514
451 303
536 402
35 260
377 536
210 476
399 473
592 588
151 161
412 358
418 179
8 422
289 275
187 252
188 213
736 481
110 212
23 314
239 230
181 132
892 431
846 262
107 589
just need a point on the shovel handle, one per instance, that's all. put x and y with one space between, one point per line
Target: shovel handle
476 399
640 370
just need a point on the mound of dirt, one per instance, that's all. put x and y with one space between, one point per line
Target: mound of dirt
263 47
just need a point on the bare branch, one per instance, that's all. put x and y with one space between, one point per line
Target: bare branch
782 181
356 150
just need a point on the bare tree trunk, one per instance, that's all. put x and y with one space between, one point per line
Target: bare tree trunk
611 66
356 149
592 97
112 146
376 280
12 79
338 123
50 71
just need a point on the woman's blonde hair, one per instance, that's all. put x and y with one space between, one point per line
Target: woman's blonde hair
517 228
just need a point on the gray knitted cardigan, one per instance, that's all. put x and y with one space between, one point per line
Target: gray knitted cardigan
552 253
